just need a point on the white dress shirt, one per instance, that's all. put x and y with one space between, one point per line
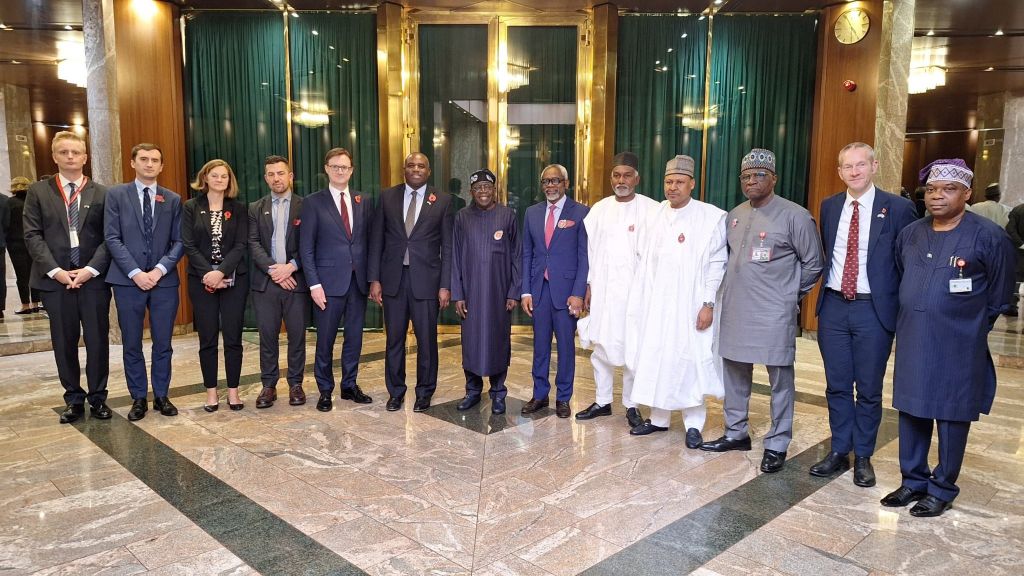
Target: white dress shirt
835 276
152 204
78 202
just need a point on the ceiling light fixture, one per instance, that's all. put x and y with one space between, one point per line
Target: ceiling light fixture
927 65
989 69
68 27
999 32
930 33
71 66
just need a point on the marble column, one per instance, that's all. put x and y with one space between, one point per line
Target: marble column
1011 173
891 105
17 156
101 96
987 161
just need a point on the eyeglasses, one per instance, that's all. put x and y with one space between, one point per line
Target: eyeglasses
551 181
754 177
342 169
483 186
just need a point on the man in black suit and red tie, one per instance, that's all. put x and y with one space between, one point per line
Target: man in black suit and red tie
410 275
333 242
63 218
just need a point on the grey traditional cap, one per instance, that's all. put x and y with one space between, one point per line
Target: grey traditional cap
680 165
759 158
626 159
484 175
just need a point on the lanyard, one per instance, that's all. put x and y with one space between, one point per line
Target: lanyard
74 195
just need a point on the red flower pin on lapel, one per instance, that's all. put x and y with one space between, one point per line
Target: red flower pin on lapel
159 198
431 199
227 214
296 222
358 198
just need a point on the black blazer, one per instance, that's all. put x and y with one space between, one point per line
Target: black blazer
48 239
195 236
261 234
430 244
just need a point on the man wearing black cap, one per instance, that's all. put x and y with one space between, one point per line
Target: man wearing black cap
485 288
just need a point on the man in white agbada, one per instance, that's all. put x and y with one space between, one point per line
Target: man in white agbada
671 324
613 225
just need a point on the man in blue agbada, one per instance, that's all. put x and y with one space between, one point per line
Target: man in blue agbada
956 273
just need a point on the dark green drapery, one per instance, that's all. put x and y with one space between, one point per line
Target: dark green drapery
773 58
652 103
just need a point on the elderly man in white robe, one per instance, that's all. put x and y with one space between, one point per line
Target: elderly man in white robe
671 314
613 225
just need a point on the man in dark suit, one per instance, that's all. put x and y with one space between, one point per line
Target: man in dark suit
857 307
334 236
410 274
554 273
279 290
142 225
63 218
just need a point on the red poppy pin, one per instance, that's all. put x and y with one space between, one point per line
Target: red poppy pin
159 198
632 227
682 238
431 199
358 198
227 214
296 222
883 212
566 223
735 221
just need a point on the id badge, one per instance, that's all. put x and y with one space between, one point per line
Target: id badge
960 285
74 238
761 254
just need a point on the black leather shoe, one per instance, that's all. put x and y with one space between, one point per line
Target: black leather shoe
562 409
421 405
139 408
324 404
724 444
211 408
772 461
101 412
267 397
901 497
356 395
534 405
930 506
164 406
236 407
71 413
863 472
394 404
468 402
693 438
593 411
834 462
634 418
646 428
498 406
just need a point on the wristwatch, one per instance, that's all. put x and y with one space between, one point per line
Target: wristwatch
709 305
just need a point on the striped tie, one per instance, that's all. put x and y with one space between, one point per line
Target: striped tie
73 221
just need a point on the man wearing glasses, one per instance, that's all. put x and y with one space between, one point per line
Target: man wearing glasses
333 244
554 283
774 260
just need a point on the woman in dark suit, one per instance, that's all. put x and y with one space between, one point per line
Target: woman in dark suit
31 301
214 231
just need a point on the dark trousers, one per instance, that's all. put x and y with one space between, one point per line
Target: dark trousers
547 321
350 309
272 306
916 440
214 315
22 263
74 313
398 311
132 304
854 349
475 385
3 278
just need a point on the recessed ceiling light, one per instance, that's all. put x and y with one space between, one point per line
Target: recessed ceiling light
2 26
684 35
930 33
68 27
669 49
989 69
999 32
15 61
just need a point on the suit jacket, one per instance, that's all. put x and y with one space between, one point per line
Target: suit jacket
429 244
122 225
566 258
47 235
329 256
890 214
5 221
261 234
197 239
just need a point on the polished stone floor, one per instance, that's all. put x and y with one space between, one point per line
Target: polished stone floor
290 490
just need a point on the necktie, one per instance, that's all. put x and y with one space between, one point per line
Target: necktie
73 221
280 230
344 216
549 230
410 222
851 266
147 217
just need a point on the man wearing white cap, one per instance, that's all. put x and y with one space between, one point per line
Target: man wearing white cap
956 273
613 226
671 320
775 259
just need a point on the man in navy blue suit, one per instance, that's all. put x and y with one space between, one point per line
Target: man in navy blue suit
142 227
857 308
554 283
333 240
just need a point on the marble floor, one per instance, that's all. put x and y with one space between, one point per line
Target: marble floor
290 490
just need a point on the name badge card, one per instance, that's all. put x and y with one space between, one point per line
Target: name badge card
761 253
74 238
960 285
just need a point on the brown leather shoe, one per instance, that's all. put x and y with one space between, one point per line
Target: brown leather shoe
266 397
562 409
296 397
534 405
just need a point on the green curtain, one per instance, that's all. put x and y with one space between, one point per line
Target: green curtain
773 59
659 112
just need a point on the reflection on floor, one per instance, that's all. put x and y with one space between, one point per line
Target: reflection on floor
360 490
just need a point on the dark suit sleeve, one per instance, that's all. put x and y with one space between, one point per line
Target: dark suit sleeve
446 248
260 258
376 248
579 286
5 220
515 290
196 258
458 293
1000 275
1013 227
112 233
170 260
307 243
35 241
527 249
235 255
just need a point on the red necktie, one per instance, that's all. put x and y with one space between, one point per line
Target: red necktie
851 266
344 215
549 230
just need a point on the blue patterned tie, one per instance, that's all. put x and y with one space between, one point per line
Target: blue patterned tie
147 217
73 222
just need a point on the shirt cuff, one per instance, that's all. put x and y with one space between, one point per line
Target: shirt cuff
93 271
134 272
315 286
294 262
53 272
162 269
525 295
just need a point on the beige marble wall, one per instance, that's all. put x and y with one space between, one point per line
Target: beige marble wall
17 156
891 106
1011 173
104 118
988 159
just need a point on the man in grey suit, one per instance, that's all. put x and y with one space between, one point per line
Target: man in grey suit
279 290
63 219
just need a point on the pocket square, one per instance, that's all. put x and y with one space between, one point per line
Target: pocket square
566 223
